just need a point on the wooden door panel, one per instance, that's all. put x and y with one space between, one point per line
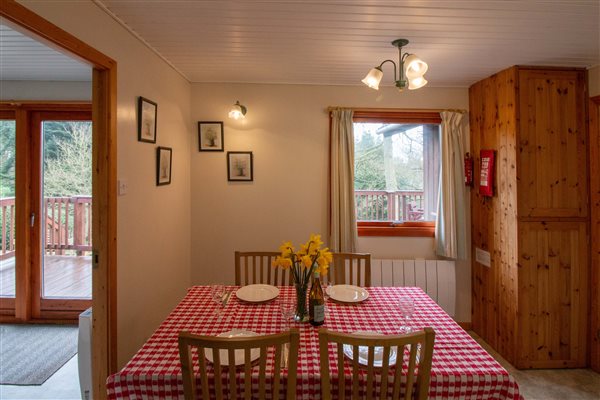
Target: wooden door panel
552 159
553 286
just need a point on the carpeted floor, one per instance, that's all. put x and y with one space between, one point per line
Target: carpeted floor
30 354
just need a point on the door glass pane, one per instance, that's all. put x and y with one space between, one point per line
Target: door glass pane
67 202
7 208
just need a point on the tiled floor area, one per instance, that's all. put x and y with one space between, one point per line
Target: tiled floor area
575 384
551 384
63 385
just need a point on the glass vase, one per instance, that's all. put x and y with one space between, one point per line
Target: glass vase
301 314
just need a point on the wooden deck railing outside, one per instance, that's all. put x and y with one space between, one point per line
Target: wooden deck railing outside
68 225
383 205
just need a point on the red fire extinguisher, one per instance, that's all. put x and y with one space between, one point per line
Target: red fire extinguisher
468 170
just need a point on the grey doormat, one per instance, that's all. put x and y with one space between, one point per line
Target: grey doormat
30 354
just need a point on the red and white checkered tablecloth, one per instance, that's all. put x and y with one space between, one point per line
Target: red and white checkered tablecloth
461 369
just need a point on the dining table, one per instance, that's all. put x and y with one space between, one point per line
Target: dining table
461 368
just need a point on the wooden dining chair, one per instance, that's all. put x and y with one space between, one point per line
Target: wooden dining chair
256 267
187 341
350 269
425 338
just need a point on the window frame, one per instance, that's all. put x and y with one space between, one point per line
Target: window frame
391 228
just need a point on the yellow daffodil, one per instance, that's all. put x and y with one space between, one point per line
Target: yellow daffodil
307 261
310 258
316 240
322 261
286 249
322 269
285 263
327 254
303 250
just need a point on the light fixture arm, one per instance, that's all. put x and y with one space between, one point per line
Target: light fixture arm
393 63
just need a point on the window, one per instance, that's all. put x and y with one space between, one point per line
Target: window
396 172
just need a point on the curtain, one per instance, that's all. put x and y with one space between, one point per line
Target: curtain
343 233
451 220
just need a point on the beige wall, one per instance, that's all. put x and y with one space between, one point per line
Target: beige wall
287 129
594 81
45 90
153 222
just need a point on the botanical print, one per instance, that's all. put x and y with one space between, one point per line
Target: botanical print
163 168
210 136
239 166
147 111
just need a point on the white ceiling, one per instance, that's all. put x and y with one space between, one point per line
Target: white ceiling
23 58
337 41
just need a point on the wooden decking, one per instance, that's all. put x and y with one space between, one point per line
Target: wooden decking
64 277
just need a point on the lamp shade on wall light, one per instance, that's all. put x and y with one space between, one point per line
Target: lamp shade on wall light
411 70
237 111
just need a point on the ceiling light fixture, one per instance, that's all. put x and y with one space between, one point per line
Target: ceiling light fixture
238 111
412 70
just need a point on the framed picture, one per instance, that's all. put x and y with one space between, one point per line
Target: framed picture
163 165
147 112
239 166
210 136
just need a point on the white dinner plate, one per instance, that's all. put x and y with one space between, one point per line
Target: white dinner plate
239 354
257 293
347 293
363 351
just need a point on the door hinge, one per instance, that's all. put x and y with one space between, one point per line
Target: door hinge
32 219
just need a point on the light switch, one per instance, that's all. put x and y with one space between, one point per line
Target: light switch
122 187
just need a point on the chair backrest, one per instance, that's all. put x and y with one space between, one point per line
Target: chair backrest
255 267
220 344
424 338
350 269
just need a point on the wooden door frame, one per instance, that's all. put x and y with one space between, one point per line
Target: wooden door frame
104 173
594 145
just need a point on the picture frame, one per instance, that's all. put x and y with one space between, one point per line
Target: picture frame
240 166
210 136
147 119
164 160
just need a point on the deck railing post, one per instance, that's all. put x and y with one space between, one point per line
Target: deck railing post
78 224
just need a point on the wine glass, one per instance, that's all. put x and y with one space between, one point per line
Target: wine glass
287 305
288 308
217 292
406 306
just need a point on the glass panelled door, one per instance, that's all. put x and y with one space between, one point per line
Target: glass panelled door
7 210
66 210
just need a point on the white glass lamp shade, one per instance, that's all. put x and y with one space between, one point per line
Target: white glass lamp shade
237 111
414 67
373 78
416 83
